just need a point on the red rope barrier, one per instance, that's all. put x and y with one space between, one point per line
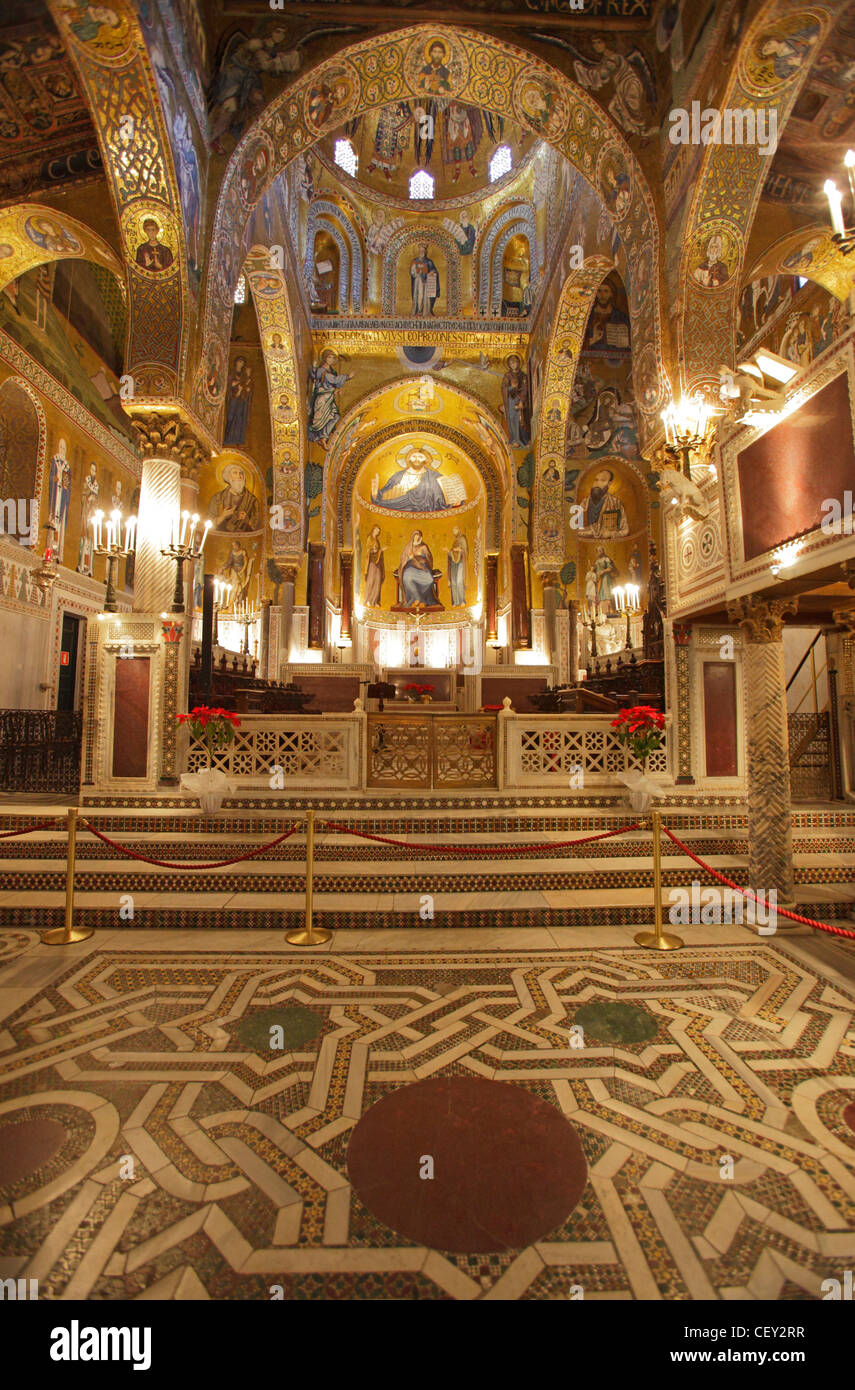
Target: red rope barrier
746 893
479 849
36 825
175 864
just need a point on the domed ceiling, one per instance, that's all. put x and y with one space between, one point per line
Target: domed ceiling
453 143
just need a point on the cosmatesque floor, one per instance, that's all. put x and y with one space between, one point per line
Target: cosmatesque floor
162 1142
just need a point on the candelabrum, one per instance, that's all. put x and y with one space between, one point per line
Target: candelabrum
184 545
107 540
222 598
590 617
842 236
687 429
245 615
626 601
48 571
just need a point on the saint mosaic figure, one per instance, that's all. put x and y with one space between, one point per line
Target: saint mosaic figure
517 403
424 283
235 507
458 556
324 413
375 569
416 487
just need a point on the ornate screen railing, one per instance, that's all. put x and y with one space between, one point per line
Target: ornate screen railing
283 751
40 750
573 751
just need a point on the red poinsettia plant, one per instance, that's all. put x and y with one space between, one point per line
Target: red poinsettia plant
639 728
213 727
416 691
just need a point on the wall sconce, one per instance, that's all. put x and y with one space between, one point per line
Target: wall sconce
688 425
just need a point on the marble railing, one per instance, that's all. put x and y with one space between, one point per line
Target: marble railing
556 752
571 752
280 751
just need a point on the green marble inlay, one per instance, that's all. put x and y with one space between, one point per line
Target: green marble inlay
615 1023
299 1026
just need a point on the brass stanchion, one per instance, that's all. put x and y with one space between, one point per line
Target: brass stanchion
658 940
308 935
67 935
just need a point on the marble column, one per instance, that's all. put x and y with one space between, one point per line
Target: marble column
160 501
770 837
549 580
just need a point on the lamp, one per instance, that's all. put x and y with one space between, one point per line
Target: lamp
183 546
842 236
785 557
687 428
107 540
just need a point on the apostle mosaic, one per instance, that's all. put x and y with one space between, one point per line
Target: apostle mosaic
44 232
238 401
235 507
59 494
424 284
325 382
88 508
458 559
375 568
516 403
603 512
152 254
605 578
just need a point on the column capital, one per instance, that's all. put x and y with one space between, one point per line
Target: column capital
289 572
761 619
171 435
549 578
682 634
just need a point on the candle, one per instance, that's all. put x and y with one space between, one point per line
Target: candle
130 533
194 523
835 198
185 518
619 598
116 517
96 529
208 525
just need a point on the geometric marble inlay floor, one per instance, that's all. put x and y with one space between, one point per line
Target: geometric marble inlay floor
176 1121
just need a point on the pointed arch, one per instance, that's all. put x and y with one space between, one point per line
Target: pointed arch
32 235
484 70
809 252
285 385
412 236
574 306
507 223
731 181
111 62
329 216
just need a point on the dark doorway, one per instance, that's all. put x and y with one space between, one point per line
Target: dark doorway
67 683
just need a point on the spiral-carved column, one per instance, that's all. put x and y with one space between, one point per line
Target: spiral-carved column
770 836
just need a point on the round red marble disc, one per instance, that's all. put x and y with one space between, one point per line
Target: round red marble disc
508 1168
26 1145
849 1116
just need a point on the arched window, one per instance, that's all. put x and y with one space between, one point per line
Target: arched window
501 163
421 184
346 157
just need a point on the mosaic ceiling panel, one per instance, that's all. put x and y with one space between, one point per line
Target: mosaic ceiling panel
46 134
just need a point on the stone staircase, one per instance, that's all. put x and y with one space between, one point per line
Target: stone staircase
361 884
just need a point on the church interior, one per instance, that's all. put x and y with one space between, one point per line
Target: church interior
427 583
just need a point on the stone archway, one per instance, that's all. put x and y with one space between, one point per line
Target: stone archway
483 70
731 180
